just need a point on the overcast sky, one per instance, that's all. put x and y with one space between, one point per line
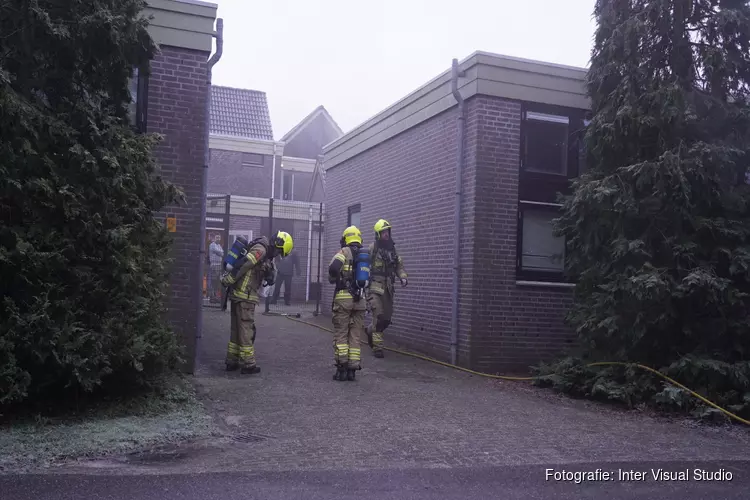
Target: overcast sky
357 60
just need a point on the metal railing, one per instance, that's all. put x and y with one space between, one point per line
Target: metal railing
298 287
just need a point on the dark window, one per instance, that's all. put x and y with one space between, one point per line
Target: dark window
287 185
541 254
138 87
545 148
551 155
252 160
353 216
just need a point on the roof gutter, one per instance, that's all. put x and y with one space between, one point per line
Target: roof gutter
455 75
219 35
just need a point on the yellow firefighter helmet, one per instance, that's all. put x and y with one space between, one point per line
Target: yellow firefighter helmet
352 235
381 226
283 241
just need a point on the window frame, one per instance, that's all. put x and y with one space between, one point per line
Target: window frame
141 76
291 186
538 190
540 186
351 210
537 275
252 164
560 118
233 233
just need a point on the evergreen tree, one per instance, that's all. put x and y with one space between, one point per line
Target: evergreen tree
82 259
658 230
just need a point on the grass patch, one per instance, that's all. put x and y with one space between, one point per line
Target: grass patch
168 413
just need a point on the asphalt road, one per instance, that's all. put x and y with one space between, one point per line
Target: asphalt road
508 483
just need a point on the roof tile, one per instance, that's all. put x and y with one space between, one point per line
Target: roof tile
240 112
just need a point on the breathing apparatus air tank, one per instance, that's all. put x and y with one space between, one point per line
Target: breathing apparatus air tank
237 252
362 269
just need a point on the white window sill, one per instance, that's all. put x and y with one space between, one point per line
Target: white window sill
547 284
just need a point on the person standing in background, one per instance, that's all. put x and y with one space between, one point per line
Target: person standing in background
215 258
287 268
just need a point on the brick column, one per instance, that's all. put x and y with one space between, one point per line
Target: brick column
176 109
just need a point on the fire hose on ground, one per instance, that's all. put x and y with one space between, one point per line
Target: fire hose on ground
505 377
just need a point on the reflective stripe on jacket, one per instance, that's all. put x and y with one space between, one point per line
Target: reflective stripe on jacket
342 263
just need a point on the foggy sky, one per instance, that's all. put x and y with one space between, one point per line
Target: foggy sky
357 59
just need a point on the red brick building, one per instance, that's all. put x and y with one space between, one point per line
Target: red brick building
522 127
172 101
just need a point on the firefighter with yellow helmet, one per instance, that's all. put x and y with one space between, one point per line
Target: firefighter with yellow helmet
254 270
349 305
386 265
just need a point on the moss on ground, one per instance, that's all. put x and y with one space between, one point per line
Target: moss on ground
169 413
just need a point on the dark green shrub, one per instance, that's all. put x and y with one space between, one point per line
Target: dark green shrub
82 259
658 230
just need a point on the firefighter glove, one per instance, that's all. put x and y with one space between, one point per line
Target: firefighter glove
404 281
227 279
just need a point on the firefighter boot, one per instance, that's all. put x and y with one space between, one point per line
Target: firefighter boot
232 367
341 370
250 370
351 374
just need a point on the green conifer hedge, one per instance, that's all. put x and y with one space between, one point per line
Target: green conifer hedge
658 230
83 262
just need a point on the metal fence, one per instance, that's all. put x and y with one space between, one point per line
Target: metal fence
298 284
297 290
217 243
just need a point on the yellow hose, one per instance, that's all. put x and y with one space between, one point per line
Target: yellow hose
505 377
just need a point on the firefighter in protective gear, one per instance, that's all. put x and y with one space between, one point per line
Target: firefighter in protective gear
386 265
348 307
257 270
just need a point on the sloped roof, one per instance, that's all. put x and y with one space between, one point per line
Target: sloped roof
240 113
309 118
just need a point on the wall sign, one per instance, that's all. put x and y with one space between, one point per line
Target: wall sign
171 223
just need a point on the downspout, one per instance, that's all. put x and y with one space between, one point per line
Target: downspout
455 74
309 253
219 35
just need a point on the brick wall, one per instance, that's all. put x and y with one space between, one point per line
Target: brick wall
227 175
513 326
244 222
503 327
418 167
177 109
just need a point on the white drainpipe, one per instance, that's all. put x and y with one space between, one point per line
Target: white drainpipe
273 172
309 253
